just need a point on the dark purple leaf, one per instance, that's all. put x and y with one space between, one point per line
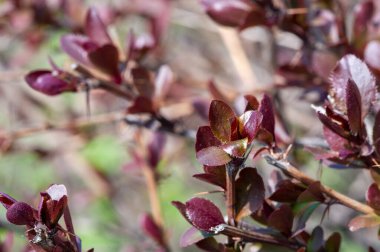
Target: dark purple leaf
287 191
213 156
376 133
155 148
203 214
48 83
106 59
236 148
282 220
373 196
181 208
251 121
221 116
153 230
209 244
250 191
312 193
227 12
333 242
141 105
336 142
77 47
353 102
268 121
263 213
316 241
211 178
6 200
350 67
364 221
205 138
20 213
95 28
332 125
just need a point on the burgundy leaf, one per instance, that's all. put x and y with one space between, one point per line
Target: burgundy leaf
312 193
251 121
221 116
376 133
364 221
268 121
48 83
212 179
236 148
336 142
6 200
353 102
350 67
155 148
263 213
205 138
363 12
143 82
213 156
153 230
95 28
282 220
332 125
181 208
77 47
251 191
203 214
333 242
142 105
227 12
373 196
106 59
20 213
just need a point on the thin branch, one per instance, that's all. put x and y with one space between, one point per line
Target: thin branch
295 173
252 236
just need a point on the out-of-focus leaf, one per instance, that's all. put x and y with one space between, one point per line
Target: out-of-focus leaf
205 138
20 213
143 82
353 102
312 193
282 219
268 121
163 82
236 148
213 156
372 54
373 196
227 12
333 242
106 59
315 242
376 133
335 141
364 221
215 92
250 190
304 216
77 47
252 103
95 28
251 121
6 200
350 67
221 117
203 214
151 228
362 14
155 148
142 105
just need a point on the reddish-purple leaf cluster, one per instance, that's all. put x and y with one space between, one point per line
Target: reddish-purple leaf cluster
43 230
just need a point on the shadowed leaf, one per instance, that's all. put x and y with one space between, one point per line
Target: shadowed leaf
353 102
282 220
373 196
205 138
268 121
315 242
333 242
192 236
106 59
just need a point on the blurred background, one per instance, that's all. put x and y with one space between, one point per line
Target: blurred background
107 189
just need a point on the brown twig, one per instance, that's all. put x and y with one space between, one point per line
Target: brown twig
252 236
295 173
